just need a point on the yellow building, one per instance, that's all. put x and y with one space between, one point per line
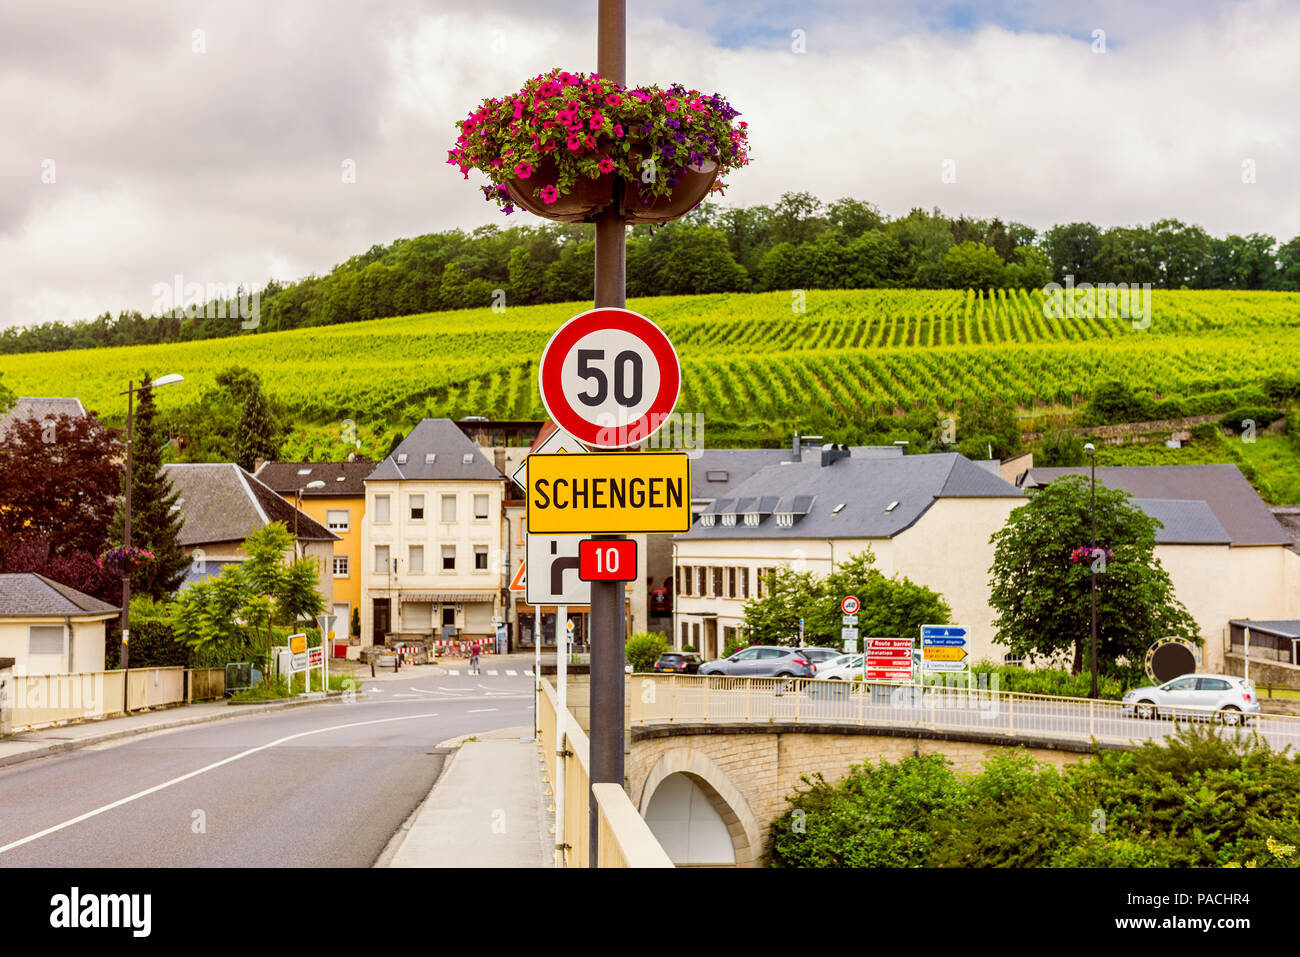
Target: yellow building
338 503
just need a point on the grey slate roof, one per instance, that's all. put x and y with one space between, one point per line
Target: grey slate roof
223 503
1235 504
40 408
865 486
715 472
448 444
1185 522
1289 628
28 594
340 478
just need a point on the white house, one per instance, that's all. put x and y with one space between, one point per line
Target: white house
50 628
431 547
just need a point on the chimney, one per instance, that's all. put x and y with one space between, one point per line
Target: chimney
257 464
794 448
807 451
832 453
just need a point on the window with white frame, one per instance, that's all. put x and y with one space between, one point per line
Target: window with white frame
449 558
45 639
381 560
751 518
480 506
417 508
744 581
480 558
449 508
381 510
415 562
729 519
706 519
337 519
340 566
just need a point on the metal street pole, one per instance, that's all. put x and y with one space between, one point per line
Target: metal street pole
1093 572
607 653
126 543
561 725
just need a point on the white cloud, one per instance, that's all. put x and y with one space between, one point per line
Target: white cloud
227 164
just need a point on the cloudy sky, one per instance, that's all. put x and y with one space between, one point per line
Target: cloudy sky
150 138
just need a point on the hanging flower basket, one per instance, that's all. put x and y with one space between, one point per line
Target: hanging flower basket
1085 554
560 145
123 560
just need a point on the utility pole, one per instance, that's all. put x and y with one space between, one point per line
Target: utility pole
607 639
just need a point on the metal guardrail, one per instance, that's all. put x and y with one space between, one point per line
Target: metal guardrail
713 699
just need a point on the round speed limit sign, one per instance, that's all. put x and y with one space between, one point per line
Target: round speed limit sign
610 378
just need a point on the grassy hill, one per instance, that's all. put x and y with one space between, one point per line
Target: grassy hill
754 367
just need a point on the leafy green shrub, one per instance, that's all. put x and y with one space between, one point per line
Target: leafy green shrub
1051 681
878 816
643 650
1262 417
1060 449
1196 799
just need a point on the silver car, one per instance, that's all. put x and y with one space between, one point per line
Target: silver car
1233 699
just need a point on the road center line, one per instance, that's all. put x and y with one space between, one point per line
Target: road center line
470 711
211 767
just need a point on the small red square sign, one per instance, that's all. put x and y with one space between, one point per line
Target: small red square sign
607 561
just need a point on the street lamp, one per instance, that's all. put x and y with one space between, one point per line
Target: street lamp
131 390
1091 452
298 506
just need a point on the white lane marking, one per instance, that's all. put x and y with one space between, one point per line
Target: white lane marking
452 690
211 767
492 672
454 673
402 695
422 690
478 710
512 673
528 672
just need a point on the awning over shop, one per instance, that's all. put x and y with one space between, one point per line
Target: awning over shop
446 596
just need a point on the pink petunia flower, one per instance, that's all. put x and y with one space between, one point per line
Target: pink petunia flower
550 194
606 165
596 121
670 104
618 129
524 170
591 142
575 142
613 100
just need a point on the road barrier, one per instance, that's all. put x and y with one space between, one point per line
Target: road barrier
715 699
624 839
41 701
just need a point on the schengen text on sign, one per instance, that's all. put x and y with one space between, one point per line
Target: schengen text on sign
609 493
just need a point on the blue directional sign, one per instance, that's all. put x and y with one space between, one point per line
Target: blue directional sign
943 648
943 631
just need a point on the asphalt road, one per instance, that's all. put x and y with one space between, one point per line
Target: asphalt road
320 786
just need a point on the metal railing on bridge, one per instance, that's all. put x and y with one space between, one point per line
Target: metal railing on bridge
715 699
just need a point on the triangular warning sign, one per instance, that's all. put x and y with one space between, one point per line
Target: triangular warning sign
517 584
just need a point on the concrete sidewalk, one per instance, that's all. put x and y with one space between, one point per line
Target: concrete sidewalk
488 809
28 745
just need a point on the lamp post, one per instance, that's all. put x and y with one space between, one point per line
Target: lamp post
1092 456
131 390
297 507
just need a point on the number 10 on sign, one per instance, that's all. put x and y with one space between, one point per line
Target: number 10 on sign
607 560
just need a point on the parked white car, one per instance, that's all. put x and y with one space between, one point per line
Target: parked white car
1231 698
842 668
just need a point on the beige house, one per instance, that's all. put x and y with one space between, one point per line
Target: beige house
432 554
49 628
1226 553
222 504
925 517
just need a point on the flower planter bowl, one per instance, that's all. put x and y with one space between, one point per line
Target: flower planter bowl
694 185
588 196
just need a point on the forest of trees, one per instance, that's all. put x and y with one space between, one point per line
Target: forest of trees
799 243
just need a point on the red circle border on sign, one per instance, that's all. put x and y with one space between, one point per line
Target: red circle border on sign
606 317
844 605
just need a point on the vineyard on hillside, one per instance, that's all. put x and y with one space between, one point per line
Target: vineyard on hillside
755 367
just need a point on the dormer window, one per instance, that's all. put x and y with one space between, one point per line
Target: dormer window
401 458
430 457
785 519
729 519
706 519
751 518
467 458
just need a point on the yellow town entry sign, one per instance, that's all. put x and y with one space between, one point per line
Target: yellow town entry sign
609 493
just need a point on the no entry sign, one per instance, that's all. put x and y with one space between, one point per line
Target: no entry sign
850 605
609 377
